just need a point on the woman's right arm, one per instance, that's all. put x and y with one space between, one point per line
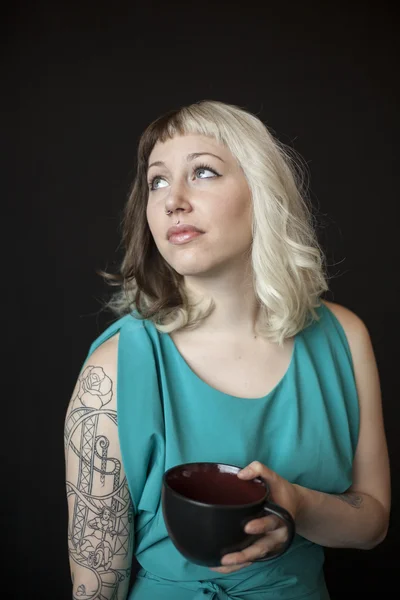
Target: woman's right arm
100 531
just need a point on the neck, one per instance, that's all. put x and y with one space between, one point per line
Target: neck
236 306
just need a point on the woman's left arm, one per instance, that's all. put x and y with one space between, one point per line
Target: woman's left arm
358 518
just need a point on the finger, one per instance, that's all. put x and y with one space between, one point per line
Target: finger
256 469
278 534
263 525
232 569
257 550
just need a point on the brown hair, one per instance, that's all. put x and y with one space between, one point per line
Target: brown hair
148 282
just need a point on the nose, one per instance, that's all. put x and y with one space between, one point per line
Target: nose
178 198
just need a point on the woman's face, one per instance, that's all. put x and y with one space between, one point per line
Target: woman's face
200 182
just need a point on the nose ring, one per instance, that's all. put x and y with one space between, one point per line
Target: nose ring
169 212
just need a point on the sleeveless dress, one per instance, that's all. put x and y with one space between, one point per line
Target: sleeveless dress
305 429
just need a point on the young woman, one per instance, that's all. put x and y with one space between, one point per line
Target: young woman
223 351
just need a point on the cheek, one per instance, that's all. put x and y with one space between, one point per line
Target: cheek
149 215
157 228
237 210
152 220
235 221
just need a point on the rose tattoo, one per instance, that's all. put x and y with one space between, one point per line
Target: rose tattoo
95 388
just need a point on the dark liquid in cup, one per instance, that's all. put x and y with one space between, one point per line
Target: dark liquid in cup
216 488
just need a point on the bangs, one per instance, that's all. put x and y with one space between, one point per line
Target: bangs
192 120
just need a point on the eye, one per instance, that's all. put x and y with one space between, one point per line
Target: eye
203 172
153 184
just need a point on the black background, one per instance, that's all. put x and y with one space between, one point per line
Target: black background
82 80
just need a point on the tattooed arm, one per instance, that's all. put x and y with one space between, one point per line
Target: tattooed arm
100 531
358 518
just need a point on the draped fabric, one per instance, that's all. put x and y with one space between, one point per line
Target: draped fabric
305 429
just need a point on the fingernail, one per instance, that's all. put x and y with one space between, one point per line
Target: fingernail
244 472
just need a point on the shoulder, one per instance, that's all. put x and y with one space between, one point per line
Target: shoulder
105 357
354 328
97 382
356 333
107 353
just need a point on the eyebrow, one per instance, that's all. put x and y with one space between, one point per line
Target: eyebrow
160 163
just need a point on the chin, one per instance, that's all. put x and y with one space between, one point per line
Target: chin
192 263
197 268
188 262
190 270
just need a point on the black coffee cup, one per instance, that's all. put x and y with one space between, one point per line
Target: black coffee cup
206 507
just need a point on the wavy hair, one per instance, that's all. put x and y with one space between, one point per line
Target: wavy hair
287 262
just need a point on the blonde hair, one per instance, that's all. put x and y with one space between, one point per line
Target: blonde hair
287 262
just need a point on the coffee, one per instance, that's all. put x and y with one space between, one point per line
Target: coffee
217 488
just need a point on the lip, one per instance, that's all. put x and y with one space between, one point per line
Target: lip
181 234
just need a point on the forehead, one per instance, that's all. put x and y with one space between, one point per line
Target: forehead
181 145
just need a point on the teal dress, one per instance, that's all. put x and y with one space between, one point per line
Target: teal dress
305 429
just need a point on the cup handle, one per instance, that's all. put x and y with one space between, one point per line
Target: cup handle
284 515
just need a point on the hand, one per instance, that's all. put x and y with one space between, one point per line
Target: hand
273 529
